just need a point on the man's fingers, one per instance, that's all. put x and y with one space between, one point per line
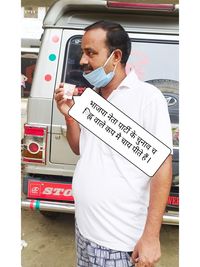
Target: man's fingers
143 263
75 91
136 260
59 88
135 256
58 95
61 85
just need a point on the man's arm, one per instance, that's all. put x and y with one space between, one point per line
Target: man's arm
147 250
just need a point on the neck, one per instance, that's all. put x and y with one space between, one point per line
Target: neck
118 78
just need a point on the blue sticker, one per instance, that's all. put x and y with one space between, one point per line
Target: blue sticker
52 57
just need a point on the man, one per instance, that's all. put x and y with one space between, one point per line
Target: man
118 208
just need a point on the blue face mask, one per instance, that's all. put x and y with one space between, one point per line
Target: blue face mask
98 77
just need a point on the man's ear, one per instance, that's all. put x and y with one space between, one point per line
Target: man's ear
117 56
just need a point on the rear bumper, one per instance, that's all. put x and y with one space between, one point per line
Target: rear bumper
168 218
47 205
171 218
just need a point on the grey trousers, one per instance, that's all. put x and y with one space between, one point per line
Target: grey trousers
89 254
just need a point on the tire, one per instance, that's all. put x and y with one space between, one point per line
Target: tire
170 90
166 86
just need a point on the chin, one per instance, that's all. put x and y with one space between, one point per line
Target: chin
87 72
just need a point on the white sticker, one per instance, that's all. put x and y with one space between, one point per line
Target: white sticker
118 131
69 90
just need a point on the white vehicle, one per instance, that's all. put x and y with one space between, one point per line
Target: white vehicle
48 160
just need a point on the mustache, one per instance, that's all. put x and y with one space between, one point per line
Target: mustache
86 67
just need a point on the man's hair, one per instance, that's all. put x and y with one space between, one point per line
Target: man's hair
116 37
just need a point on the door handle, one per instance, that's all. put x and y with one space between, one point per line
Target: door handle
64 130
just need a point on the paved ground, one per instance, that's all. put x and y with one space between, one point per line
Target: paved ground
50 242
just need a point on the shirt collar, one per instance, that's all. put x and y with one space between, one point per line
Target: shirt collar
130 79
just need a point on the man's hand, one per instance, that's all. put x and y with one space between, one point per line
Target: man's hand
73 129
63 104
146 252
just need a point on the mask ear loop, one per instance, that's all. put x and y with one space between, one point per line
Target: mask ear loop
108 59
115 67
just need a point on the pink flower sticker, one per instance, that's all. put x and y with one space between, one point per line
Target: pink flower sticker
47 77
55 38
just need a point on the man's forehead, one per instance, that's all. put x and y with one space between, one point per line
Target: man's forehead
94 38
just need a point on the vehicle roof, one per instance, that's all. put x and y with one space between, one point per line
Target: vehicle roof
77 14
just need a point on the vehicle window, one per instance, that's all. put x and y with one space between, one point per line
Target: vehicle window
151 59
28 62
72 72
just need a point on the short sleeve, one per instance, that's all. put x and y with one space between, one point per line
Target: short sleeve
157 120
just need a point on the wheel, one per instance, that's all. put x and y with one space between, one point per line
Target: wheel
166 86
170 90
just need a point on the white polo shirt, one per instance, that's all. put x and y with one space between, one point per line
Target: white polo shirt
111 194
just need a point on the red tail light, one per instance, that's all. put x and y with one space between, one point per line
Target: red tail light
29 130
34 146
143 6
